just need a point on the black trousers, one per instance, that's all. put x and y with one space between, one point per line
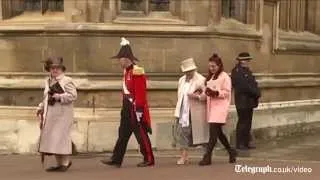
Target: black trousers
244 127
216 133
129 125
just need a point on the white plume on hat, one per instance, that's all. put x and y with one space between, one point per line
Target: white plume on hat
124 42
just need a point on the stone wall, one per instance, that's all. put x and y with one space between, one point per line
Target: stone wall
96 131
87 34
286 63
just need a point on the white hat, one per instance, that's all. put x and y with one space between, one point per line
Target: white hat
188 65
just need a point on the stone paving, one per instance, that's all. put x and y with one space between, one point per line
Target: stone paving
297 152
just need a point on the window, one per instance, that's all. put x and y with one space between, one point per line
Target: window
144 6
12 8
235 9
159 5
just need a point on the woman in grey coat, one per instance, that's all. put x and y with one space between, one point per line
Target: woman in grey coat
56 114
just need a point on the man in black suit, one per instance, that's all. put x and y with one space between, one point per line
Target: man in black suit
247 94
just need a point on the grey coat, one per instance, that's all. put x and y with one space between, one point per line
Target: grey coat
55 137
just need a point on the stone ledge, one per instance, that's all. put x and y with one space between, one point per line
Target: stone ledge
158 114
303 42
88 82
224 30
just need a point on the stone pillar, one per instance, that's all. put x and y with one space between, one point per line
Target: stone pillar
301 15
255 13
284 15
10 8
175 8
317 18
76 10
313 16
292 15
101 10
311 12
109 10
1 15
196 12
215 12
241 10
95 10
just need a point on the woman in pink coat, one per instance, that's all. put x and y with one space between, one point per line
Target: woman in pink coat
218 95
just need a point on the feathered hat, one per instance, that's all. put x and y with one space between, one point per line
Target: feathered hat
125 51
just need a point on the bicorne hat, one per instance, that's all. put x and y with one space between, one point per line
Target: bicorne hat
54 62
125 51
244 56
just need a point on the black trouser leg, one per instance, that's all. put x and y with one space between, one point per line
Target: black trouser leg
240 128
144 141
125 131
243 127
248 127
246 123
223 139
214 132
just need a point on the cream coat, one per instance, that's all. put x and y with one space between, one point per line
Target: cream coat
200 129
55 137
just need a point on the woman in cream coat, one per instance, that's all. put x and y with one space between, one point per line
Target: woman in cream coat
192 128
56 112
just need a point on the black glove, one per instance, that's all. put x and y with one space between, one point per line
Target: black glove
198 91
139 114
211 93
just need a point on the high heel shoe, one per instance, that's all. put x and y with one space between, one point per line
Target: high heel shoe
182 161
64 168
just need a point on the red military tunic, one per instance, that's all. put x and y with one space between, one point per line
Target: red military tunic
134 86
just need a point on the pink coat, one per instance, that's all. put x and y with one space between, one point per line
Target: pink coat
218 107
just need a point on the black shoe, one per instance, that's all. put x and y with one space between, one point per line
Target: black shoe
232 156
242 147
206 160
110 163
145 164
64 168
251 147
53 169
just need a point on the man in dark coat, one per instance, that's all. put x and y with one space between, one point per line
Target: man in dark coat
247 94
135 117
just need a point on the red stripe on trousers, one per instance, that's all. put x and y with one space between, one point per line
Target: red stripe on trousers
146 144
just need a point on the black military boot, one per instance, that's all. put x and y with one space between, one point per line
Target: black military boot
111 163
145 164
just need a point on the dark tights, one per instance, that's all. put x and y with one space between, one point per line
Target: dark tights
215 134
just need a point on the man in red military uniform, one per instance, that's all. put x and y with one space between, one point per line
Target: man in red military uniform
135 116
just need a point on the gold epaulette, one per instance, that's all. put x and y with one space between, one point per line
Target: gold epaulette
138 70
